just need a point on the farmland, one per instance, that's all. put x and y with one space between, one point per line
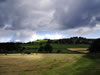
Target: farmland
56 47
48 64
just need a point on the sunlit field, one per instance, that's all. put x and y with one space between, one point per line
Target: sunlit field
48 64
81 50
35 64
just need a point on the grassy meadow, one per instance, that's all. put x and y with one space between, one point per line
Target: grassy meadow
64 48
49 64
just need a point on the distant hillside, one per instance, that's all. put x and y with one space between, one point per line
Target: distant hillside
72 40
58 45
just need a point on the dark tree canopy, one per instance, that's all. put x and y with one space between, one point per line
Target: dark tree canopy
41 49
10 48
45 49
48 48
95 46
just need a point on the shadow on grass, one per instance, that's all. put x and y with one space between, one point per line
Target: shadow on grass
89 64
67 52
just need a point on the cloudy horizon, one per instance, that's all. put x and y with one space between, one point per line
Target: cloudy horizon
29 20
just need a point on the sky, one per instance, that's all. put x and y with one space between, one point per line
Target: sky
29 20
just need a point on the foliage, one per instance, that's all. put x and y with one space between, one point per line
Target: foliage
45 45
95 46
11 48
46 49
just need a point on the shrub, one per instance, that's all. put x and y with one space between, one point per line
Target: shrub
48 48
45 49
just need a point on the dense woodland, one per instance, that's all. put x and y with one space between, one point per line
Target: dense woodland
44 46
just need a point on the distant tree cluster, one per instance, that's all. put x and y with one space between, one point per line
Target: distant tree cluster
45 49
75 40
42 46
72 40
10 48
95 46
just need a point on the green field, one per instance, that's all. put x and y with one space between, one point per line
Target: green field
56 47
49 64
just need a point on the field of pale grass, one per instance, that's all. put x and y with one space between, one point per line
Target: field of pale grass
34 64
49 64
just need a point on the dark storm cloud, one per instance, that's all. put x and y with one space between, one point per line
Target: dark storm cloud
23 18
78 13
25 14
2 0
68 14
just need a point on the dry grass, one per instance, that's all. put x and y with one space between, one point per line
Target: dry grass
77 49
34 64
83 50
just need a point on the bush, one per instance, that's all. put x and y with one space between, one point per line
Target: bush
48 48
41 49
58 51
10 48
45 49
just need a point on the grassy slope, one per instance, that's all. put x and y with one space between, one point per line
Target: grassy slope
59 45
49 64
56 47
45 40
41 41
84 66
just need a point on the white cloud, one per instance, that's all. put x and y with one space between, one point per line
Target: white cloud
97 27
48 36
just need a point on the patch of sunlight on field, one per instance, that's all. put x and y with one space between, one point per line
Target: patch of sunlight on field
77 49
23 56
33 56
82 50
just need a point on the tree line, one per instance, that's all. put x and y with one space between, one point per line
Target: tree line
72 40
11 47
6 48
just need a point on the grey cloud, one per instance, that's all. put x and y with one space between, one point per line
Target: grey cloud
22 35
35 15
24 14
80 13
2 0
47 15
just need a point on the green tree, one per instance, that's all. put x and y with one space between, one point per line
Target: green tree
48 48
41 49
95 46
